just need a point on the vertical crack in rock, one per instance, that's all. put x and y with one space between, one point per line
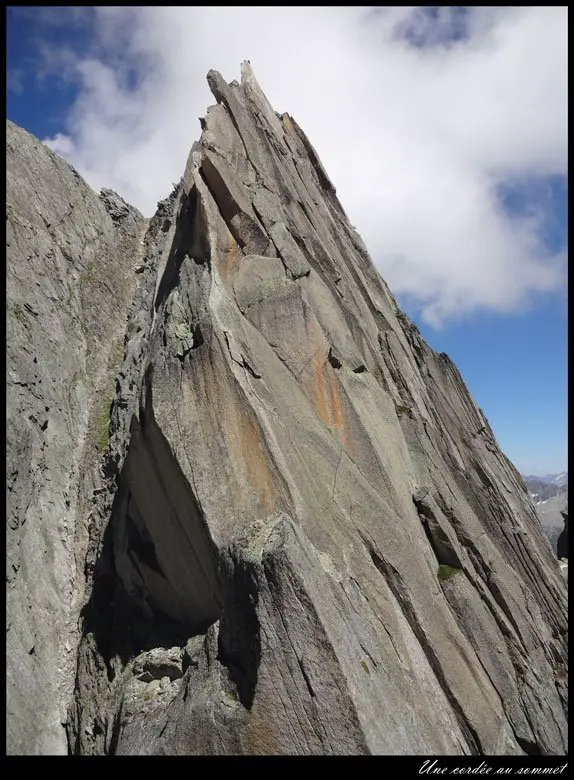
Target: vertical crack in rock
219 423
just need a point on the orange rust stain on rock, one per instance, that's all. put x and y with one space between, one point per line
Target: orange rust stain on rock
204 385
337 419
230 261
319 389
259 737
228 417
248 454
380 377
321 384
326 397
252 455
288 124
248 458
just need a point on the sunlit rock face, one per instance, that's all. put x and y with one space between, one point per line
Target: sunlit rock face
298 534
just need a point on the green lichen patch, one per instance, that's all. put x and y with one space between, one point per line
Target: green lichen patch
180 330
116 356
403 411
447 572
230 698
103 427
365 666
74 381
183 336
560 671
19 314
102 424
13 216
90 274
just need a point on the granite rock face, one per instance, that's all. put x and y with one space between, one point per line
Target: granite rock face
300 536
70 279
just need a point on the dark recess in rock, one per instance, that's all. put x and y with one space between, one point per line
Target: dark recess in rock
562 543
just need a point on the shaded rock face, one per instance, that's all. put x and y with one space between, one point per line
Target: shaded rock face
562 544
301 536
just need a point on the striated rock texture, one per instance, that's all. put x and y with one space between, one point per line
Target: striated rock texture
301 536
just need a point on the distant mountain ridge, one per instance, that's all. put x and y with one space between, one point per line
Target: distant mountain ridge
550 486
549 494
560 479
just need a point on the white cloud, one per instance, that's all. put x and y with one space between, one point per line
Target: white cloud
417 140
15 81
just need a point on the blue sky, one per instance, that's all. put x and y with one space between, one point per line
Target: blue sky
463 210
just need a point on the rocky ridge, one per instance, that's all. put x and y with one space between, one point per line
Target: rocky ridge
299 534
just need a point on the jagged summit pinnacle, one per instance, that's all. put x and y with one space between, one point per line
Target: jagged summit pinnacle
250 511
